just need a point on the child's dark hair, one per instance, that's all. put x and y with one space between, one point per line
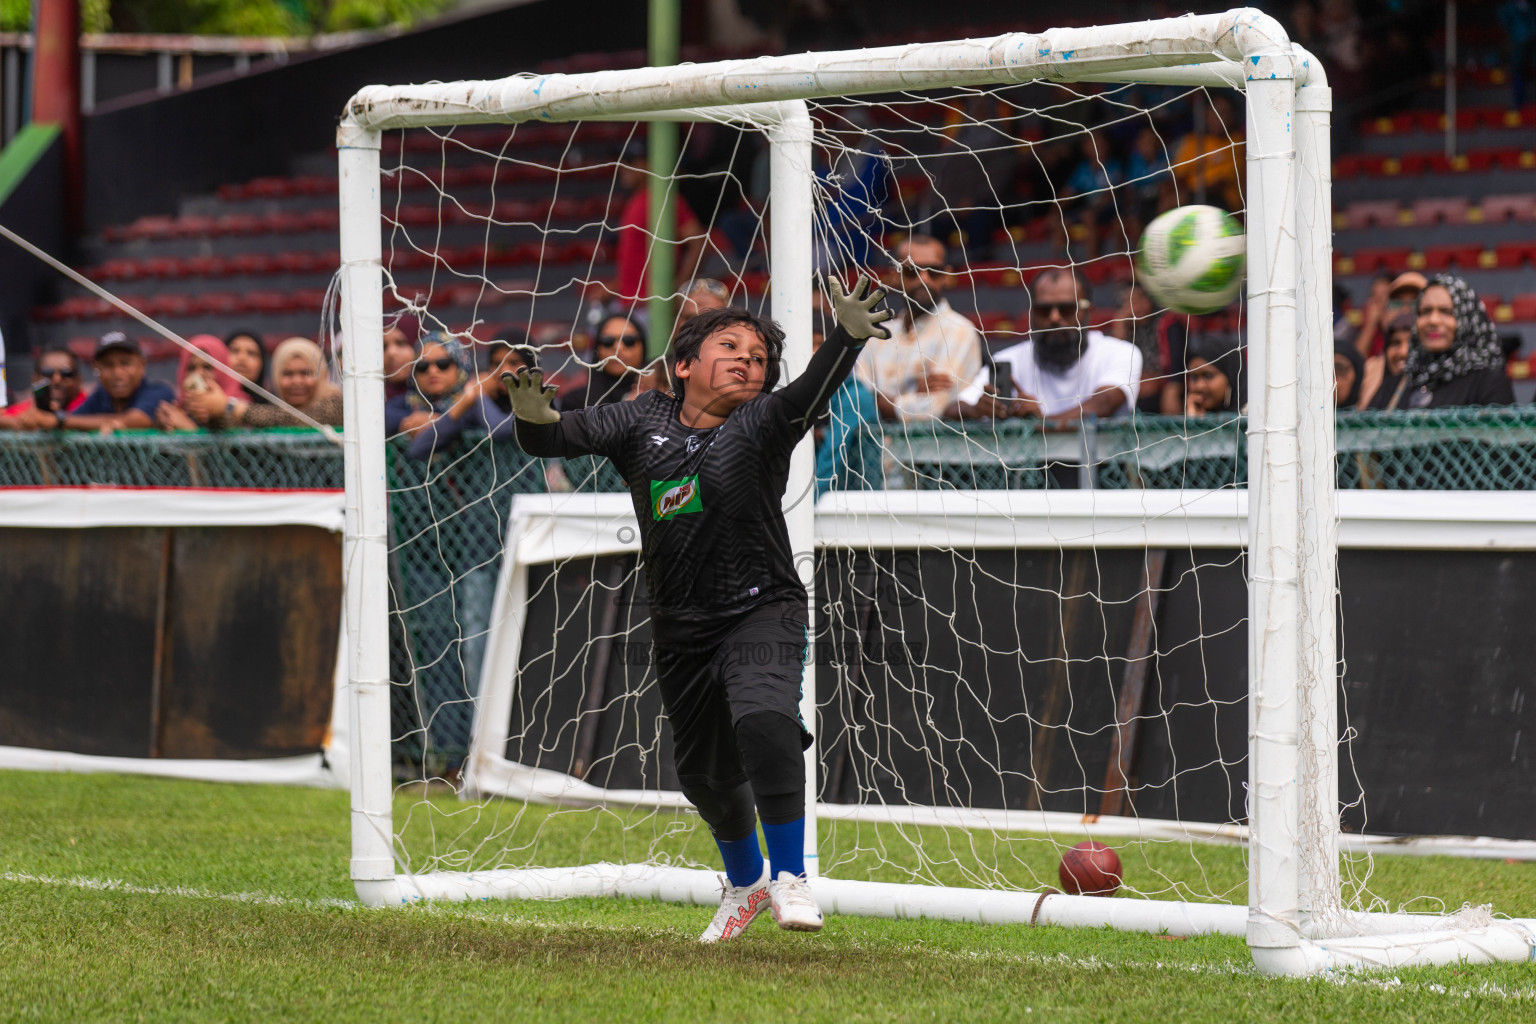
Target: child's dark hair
690 339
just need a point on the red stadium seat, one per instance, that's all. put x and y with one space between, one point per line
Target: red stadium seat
1392 259
1448 210
114 270
1523 307
168 304
237 224
148 227
191 227
269 302
1366 212
218 303
1512 255
205 266
251 263
1442 257
1509 207
308 300
299 263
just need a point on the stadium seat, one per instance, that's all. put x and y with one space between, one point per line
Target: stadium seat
164 304
191 227
1465 257
1512 255
147 228
251 263
1367 212
1446 210
270 302
204 266
1391 259
1523 307
114 270
1509 207
237 224
1514 159
218 303
308 300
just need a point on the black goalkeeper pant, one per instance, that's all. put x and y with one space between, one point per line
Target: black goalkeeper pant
732 696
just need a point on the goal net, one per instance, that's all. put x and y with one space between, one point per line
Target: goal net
1025 633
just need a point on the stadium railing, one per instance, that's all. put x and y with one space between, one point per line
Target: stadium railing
449 515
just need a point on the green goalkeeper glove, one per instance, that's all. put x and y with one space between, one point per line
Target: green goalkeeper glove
532 402
856 312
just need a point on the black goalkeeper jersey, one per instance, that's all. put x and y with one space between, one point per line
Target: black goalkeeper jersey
709 501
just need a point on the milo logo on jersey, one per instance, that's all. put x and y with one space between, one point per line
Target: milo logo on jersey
674 497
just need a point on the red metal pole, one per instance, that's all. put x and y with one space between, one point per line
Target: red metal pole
56 90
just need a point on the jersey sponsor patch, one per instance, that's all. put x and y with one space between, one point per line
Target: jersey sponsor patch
674 497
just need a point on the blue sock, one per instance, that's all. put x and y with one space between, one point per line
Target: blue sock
786 846
743 859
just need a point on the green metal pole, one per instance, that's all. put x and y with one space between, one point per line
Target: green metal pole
665 27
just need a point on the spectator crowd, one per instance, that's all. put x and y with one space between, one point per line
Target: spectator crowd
1422 343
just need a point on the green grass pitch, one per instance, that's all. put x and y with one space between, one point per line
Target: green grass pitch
134 899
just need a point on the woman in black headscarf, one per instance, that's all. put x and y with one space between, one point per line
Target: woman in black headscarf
1348 372
618 353
1457 358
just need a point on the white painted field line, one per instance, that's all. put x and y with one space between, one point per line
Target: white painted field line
114 885
1226 968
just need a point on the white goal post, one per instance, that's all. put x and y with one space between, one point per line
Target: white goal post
1294 920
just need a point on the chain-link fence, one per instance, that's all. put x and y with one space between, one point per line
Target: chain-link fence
297 459
449 514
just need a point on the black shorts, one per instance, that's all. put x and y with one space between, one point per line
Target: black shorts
749 665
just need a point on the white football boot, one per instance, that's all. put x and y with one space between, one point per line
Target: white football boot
794 907
739 907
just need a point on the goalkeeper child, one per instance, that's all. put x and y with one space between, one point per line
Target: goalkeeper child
707 471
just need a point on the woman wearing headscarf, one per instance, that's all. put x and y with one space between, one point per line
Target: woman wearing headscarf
437 380
1457 358
618 353
197 374
1348 372
1214 380
300 379
483 404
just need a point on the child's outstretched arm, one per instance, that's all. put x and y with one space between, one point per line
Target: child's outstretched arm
857 321
547 434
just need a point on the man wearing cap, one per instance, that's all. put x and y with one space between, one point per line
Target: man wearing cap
125 400
1403 295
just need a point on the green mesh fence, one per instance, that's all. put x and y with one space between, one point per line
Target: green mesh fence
448 521
298 459
449 515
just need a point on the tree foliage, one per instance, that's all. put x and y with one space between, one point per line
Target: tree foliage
233 17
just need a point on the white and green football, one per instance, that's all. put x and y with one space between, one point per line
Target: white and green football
1191 259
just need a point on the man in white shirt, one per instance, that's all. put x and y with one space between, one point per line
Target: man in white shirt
917 372
1063 371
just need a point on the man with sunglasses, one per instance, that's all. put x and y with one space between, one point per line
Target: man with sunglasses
933 351
60 370
1063 371
124 401
707 470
